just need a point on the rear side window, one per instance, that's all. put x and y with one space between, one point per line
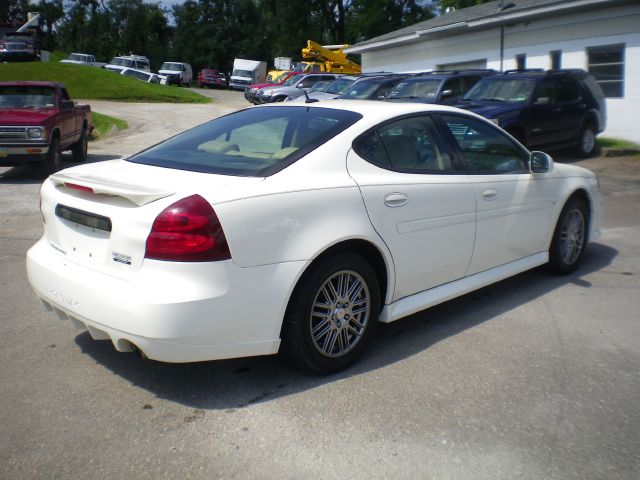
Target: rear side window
255 142
409 145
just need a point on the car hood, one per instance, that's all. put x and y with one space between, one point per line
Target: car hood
489 108
262 85
286 90
24 116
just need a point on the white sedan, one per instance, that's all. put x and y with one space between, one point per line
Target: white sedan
298 227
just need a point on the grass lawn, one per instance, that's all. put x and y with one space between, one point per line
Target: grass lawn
104 123
616 143
97 83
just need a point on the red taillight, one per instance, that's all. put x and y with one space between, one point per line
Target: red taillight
82 188
187 231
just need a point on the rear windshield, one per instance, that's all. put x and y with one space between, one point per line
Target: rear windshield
417 88
362 90
122 62
514 90
256 142
174 67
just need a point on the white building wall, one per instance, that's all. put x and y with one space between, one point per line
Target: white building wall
572 34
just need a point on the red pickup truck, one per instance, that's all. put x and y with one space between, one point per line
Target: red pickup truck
38 121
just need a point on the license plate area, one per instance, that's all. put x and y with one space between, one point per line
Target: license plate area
91 220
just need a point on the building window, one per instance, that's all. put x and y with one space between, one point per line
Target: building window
521 61
556 59
606 64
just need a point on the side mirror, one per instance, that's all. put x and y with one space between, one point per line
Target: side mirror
446 94
67 104
540 162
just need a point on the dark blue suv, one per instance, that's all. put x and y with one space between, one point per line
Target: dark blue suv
542 109
445 87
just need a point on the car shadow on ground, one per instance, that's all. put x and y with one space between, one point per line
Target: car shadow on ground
34 173
231 384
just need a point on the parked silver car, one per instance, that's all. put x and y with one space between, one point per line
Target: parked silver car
293 88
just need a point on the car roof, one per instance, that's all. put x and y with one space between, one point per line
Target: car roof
446 74
375 112
535 73
132 57
31 83
371 107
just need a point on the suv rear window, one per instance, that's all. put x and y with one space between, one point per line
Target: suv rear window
416 88
256 142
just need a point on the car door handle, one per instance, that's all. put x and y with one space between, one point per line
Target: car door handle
490 194
396 200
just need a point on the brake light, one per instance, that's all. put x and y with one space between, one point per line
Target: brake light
75 186
187 231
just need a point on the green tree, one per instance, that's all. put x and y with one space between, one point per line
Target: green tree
51 12
372 18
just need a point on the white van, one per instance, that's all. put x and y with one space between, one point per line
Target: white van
177 73
117 64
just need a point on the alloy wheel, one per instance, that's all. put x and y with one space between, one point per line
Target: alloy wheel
340 313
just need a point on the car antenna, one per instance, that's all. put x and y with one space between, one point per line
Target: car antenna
309 100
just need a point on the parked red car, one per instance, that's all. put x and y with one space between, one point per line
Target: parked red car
252 90
209 77
38 121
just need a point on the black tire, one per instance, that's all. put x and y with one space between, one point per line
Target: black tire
54 157
587 141
347 332
570 237
80 148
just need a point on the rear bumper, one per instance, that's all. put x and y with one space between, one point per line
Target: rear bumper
173 312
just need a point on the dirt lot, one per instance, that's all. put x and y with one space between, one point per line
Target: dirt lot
536 377
150 123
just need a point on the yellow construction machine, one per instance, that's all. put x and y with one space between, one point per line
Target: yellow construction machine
321 58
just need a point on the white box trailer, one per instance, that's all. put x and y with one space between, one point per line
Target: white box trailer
247 72
282 63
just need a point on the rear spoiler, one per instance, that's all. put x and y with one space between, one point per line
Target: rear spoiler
102 186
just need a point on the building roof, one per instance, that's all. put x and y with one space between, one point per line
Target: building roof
478 16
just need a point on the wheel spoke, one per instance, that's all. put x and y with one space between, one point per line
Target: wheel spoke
330 293
341 344
362 309
321 329
354 290
321 309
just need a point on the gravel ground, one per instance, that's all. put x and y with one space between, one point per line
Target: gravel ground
150 123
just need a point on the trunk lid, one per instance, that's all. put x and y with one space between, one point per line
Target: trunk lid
100 215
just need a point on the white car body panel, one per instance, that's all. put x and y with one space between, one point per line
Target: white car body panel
445 241
440 211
